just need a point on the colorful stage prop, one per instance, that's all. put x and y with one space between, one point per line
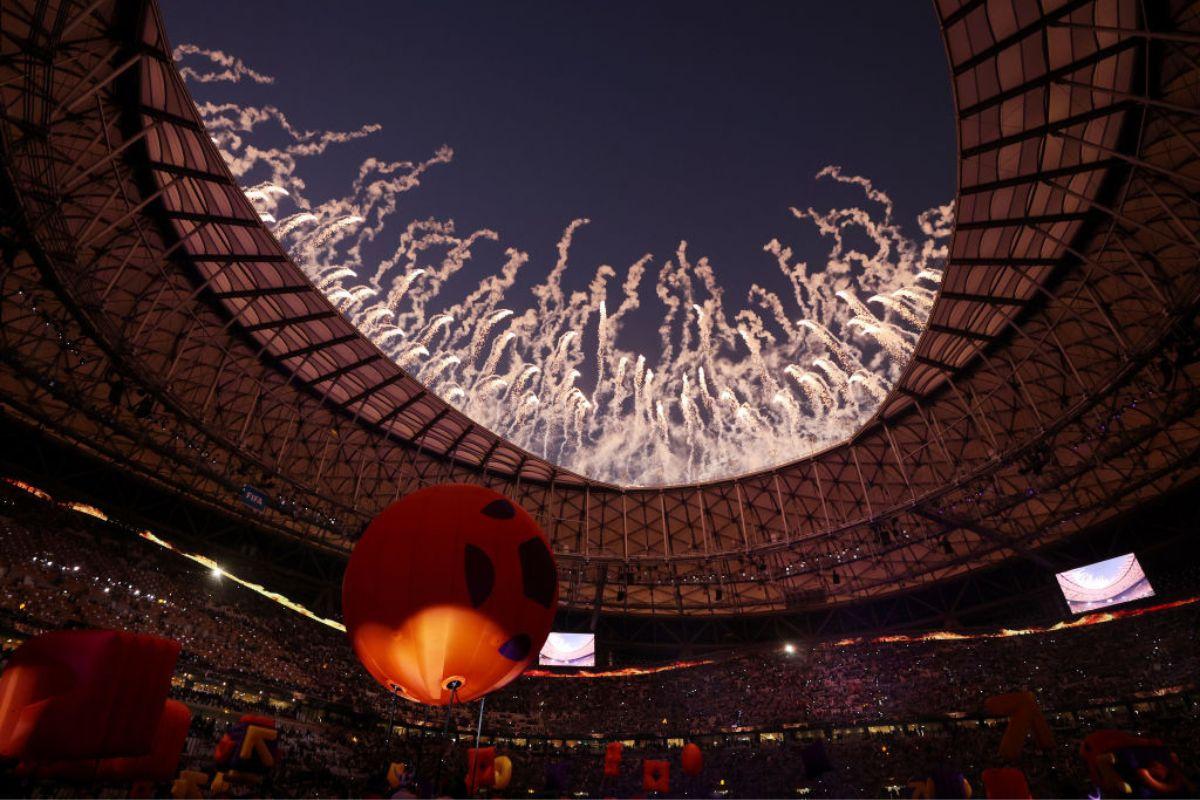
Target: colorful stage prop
397 774
691 760
159 764
656 776
1123 765
502 769
1005 783
1024 718
162 762
220 787
449 594
71 695
481 768
248 751
612 760
189 784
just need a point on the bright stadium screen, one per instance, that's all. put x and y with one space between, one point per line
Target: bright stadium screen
568 650
1105 583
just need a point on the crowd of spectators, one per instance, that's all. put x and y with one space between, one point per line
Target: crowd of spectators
886 710
838 683
64 570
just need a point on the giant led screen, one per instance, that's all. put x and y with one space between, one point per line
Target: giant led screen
1105 583
568 650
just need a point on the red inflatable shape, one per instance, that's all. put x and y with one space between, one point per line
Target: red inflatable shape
691 760
481 768
1024 719
162 763
656 776
612 760
1005 783
451 592
72 695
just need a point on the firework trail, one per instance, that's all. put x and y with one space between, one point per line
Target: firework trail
730 390
232 69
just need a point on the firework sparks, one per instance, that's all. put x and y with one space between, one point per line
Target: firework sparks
728 391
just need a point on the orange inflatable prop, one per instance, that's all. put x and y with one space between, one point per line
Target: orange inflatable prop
1024 718
397 770
188 785
502 768
449 594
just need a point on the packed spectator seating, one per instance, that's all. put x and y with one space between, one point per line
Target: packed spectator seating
843 684
885 710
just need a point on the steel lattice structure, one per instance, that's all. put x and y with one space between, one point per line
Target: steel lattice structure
148 318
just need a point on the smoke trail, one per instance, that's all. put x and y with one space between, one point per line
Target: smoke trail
234 69
730 388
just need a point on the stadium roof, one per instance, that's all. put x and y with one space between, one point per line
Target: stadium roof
149 318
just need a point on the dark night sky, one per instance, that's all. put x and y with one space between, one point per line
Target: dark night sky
659 120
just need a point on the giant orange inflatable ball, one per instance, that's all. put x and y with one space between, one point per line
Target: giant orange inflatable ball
450 593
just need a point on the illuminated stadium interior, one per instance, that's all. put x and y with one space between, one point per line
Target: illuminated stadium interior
202 412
